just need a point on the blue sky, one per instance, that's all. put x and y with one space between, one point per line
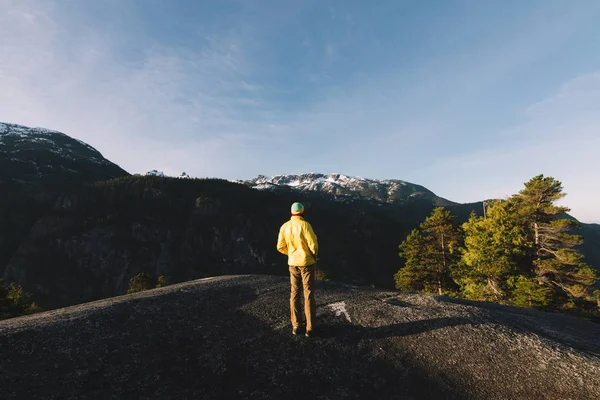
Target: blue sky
468 98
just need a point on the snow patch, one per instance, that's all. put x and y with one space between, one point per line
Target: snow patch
340 187
84 144
263 186
155 173
46 138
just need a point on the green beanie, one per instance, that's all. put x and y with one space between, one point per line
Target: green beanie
297 208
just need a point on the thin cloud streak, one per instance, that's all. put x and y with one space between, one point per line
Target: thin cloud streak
240 102
175 102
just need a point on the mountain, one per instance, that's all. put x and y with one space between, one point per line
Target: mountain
347 188
97 237
155 173
38 155
37 167
68 237
591 244
229 337
350 189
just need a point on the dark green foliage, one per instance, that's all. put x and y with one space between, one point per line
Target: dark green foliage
69 240
195 228
521 252
134 221
18 212
527 292
492 249
14 301
556 263
146 281
161 282
431 253
140 282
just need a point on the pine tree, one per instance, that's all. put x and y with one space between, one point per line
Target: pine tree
555 263
14 301
411 277
162 282
140 282
493 246
527 292
431 252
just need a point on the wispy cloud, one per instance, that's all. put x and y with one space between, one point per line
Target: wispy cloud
174 108
450 97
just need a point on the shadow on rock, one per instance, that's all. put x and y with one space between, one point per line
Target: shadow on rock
212 341
565 330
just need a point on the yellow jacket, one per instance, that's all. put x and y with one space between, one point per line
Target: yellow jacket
298 241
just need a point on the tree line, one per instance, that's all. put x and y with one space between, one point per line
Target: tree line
519 252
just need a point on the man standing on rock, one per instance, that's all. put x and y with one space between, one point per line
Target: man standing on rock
298 241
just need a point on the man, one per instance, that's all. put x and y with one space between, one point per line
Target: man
298 241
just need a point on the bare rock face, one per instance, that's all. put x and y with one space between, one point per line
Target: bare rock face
229 337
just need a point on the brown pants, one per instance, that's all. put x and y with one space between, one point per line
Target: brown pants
303 277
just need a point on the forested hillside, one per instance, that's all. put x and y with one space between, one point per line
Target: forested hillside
68 235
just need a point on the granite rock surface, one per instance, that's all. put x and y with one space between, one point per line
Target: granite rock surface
230 337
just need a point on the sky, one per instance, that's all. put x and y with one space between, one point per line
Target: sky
468 98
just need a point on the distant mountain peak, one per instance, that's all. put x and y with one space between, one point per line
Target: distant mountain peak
40 154
25 133
155 172
348 188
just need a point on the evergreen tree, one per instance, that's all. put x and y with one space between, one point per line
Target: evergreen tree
140 282
161 282
14 301
412 277
555 263
431 253
493 246
527 292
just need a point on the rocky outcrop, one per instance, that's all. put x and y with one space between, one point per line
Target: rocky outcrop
229 337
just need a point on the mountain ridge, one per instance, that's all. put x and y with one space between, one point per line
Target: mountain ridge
42 156
349 188
77 227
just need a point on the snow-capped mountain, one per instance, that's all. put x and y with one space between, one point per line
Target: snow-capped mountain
161 174
38 154
155 172
343 187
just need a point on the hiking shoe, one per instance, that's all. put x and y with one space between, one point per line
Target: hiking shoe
295 330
